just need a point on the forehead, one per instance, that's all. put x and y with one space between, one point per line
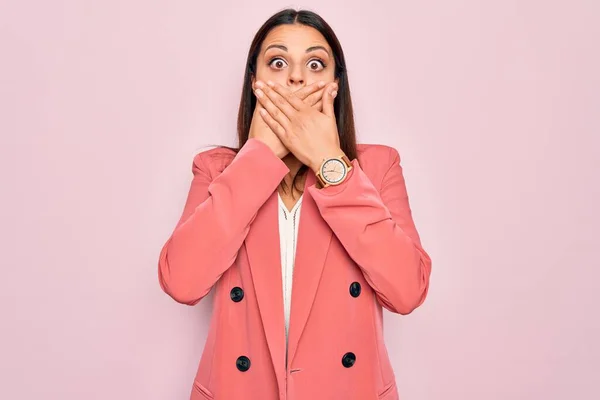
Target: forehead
295 37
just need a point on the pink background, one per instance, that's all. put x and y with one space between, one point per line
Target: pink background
493 106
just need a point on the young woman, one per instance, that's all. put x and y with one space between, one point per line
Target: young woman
303 234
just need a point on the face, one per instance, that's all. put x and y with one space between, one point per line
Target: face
295 56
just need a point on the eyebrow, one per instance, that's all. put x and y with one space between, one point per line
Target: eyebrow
312 48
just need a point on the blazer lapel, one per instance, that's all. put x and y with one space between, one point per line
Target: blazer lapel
263 248
314 237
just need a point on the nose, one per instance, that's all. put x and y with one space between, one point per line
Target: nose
295 78
295 81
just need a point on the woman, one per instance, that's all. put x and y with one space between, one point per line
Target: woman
300 197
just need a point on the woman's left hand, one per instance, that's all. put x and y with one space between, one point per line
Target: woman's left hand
309 134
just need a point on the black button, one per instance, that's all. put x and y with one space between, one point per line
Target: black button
243 363
348 360
236 294
355 289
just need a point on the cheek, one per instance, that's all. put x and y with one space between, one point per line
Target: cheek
327 77
264 74
267 74
330 74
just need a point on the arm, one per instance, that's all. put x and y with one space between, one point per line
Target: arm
378 232
216 219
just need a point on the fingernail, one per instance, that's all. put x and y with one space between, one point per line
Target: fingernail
259 92
270 83
321 84
334 93
259 84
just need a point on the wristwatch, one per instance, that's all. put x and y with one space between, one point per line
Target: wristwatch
333 171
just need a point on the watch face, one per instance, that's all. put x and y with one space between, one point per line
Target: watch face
333 170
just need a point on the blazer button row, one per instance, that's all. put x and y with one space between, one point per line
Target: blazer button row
243 363
237 293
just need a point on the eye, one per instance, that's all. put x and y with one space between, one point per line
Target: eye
318 62
280 64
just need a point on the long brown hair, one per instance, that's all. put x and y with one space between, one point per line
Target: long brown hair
343 104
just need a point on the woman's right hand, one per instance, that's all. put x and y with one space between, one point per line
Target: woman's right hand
311 95
261 131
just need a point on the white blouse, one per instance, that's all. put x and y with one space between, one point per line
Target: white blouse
288 235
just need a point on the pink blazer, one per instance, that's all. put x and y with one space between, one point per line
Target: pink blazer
358 250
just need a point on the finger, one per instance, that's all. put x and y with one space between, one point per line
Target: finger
275 112
318 106
314 98
258 107
273 124
330 93
303 93
284 99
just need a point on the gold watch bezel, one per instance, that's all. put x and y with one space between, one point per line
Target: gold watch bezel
344 159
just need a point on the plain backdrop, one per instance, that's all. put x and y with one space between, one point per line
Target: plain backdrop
493 106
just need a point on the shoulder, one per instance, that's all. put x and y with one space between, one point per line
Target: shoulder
377 158
212 161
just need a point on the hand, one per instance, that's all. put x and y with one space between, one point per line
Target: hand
261 131
311 95
309 134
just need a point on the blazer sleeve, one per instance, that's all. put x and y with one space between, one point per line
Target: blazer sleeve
216 219
378 232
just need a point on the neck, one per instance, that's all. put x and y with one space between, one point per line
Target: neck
294 165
